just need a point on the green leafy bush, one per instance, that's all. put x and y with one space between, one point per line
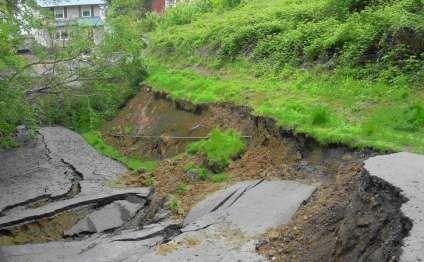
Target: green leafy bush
219 148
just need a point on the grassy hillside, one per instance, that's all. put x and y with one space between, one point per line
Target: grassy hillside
347 71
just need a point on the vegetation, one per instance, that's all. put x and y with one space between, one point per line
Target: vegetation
347 71
204 174
82 83
133 163
219 148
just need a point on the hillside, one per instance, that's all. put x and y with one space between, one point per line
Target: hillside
346 71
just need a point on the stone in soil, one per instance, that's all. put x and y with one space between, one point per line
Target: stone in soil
405 171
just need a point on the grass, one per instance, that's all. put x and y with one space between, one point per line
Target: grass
135 164
219 148
204 174
346 72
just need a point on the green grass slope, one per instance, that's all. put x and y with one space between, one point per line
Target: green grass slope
341 71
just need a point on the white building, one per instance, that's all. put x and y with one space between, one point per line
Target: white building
89 13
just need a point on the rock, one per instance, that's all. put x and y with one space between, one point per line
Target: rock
22 134
405 171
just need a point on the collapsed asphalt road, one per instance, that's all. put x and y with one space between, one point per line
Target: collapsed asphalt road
58 177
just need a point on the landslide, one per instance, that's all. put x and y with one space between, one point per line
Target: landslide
351 216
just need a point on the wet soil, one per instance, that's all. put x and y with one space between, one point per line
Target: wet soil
351 217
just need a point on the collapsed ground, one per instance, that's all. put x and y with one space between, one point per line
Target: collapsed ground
350 216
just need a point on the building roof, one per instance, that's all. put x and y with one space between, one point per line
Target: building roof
53 3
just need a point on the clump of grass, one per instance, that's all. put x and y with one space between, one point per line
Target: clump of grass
320 116
218 178
219 148
174 204
181 188
199 172
204 174
95 139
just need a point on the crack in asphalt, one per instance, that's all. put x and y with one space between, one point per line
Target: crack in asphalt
245 190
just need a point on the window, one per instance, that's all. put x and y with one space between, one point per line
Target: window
86 11
59 12
169 3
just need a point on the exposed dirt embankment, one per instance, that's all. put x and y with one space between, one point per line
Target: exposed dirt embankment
352 216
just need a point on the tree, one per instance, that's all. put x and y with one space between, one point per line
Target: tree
78 84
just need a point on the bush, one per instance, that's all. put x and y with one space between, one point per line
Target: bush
219 148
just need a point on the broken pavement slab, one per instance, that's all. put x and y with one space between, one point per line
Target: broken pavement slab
405 171
28 174
49 210
111 216
252 206
71 148
223 227
96 248
51 167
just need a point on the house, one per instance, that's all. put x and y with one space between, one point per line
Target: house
89 13
160 5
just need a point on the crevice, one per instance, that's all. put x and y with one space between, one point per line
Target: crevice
245 190
223 201
168 234
98 201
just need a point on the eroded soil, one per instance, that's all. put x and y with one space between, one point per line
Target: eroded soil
352 216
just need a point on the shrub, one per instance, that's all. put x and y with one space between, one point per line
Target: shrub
219 148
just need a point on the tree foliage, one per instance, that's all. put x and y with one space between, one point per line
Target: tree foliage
78 83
